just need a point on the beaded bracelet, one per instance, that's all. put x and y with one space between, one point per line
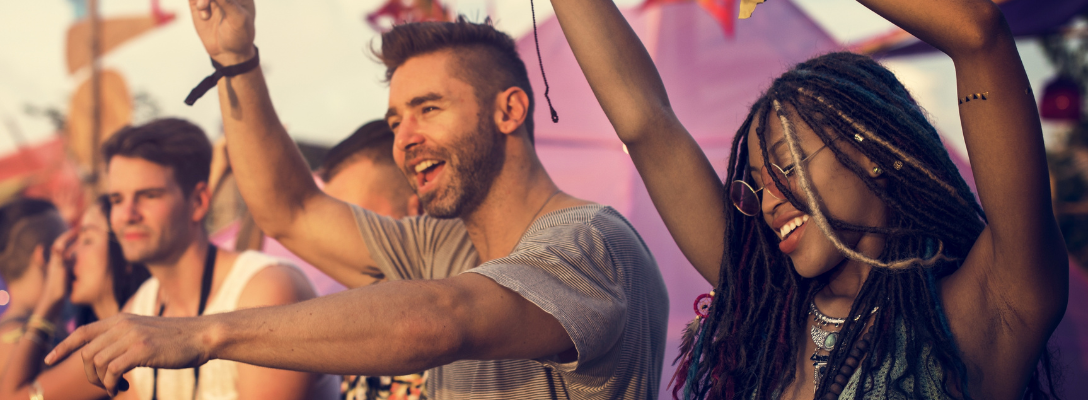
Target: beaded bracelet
42 325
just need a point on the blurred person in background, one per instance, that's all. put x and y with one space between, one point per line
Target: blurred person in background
28 228
157 183
360 170
1069 188
100 280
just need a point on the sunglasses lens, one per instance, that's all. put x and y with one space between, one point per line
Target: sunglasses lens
769 184
744 198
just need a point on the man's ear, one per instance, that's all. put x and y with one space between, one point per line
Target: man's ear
37 256
414 207
511 109
201 201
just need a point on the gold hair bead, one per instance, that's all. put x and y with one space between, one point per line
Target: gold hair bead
857 136
898 165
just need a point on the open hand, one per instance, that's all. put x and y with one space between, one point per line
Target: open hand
226 28
116 345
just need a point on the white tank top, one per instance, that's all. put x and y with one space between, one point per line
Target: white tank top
218 378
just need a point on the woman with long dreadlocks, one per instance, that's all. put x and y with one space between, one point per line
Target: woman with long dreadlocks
850 258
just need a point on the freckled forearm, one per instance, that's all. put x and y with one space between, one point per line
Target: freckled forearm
376 330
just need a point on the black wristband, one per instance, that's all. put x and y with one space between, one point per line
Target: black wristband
221 71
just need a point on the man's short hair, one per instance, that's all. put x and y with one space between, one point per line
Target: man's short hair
373 140
488 59
170 142
25 224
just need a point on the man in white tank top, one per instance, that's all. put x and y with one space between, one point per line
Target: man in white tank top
157 183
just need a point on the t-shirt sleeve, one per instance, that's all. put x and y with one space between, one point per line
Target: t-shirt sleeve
568 272
415 247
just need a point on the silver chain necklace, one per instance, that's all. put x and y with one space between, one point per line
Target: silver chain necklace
824 340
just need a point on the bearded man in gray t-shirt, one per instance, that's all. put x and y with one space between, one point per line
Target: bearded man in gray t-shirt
509 289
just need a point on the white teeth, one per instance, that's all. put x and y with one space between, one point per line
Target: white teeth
790 226
424 165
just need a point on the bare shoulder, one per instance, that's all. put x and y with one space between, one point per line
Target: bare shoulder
276 284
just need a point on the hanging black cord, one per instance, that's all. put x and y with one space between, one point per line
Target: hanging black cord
555 115
205 291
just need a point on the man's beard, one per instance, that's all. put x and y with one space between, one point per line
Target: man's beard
479 158
154 251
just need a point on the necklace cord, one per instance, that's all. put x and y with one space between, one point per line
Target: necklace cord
536 39
205 292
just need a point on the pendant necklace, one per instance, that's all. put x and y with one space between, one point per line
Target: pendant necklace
825 341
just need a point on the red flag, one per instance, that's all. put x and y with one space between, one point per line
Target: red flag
721 10
401 11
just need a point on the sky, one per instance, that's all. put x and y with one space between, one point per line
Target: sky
316 59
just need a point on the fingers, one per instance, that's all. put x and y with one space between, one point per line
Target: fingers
109 363
63 242
201 8
112 363
73 342
89 368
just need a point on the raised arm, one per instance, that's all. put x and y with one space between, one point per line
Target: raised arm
375 330
272 176
1017 271
679 177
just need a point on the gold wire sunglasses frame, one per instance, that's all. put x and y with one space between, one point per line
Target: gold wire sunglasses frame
746 199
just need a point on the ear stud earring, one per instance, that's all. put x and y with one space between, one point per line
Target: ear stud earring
877 171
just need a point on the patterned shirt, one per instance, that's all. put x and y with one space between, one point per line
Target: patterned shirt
586 266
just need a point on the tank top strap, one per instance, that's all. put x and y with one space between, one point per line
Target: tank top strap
143 302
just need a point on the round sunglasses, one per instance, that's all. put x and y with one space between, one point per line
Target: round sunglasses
746 199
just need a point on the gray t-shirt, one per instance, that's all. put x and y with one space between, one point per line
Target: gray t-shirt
586 266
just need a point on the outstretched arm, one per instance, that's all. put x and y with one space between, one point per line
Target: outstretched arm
272 176
1017 271
679 177
375 330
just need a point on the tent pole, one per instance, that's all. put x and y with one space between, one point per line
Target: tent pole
96 87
